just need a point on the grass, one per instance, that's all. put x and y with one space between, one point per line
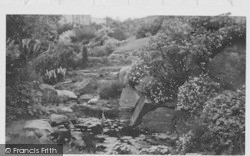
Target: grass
133 45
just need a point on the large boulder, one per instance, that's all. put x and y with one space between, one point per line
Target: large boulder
65 95
39 124
124 71
129 98
79 87
229 66
57 119
143 106
84 87
159 120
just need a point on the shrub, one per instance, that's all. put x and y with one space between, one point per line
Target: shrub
139 70
150 27
194 93
22 99
118 34
111 89
225 118
69 56
65 27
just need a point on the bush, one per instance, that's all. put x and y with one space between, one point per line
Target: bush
111 89
150 27
23 99
69 56
65 27
118 34
194 93
225 118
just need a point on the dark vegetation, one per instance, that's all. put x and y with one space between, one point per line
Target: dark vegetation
172 67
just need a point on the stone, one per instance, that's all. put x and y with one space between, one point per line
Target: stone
129 98
64 109
86 97
124 71
39 124
46 86
66 95
229 66
58 119
159 120
143 106
76 135
84 87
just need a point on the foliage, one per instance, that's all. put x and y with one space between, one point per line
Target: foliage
221 125
23 99
84 34
149 27
118 34
55 75
181 49
157 150
185 143
111 89
69 56
194 93
138 71
32 26
64 27
225 118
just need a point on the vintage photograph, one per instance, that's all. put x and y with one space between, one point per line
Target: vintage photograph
164 85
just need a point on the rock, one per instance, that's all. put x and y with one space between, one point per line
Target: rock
94 100
65 95
58 119
45 140
143 106
84 87
159 120
46 86
108 107
86 97
39 124
79 144
229 66
76 135
124 71
93 124
64 109
31 135
129 98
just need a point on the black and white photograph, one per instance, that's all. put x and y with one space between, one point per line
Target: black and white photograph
134 85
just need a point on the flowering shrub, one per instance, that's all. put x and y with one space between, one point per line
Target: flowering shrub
185 143
158 150
139 70
225 118
194 93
